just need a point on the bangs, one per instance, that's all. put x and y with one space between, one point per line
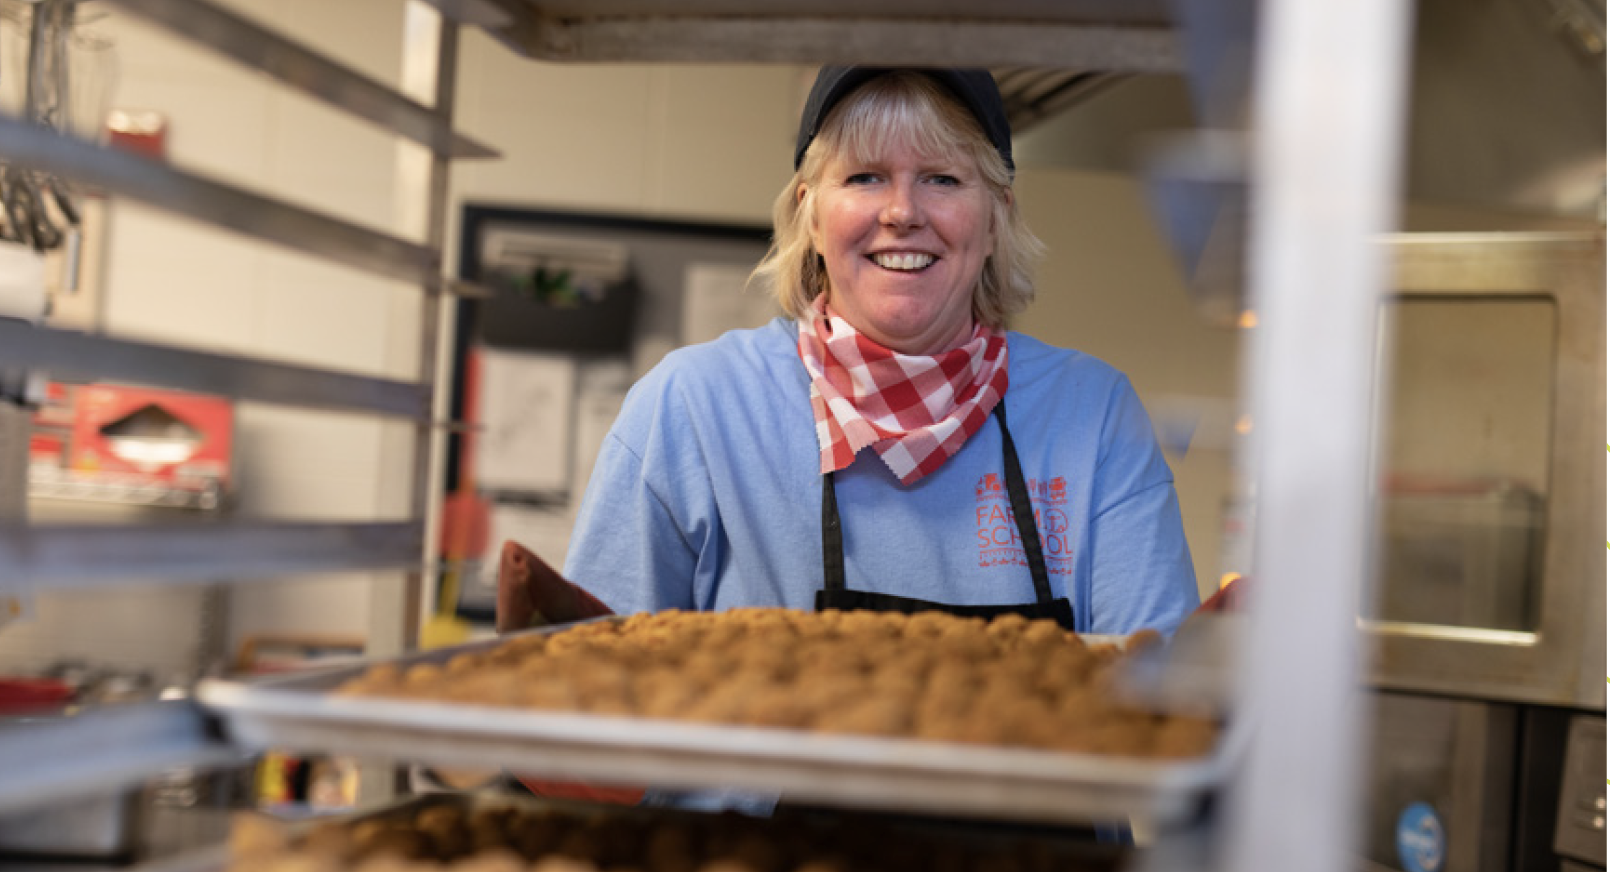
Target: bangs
908 109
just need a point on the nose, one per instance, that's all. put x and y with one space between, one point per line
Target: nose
903 207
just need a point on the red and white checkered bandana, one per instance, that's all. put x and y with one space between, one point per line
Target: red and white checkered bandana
916 411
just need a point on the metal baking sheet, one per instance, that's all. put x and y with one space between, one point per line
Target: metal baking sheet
1069 848
298 712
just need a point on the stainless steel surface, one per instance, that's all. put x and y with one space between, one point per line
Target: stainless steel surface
258 47
125 174
1457 757
61 758
16 426
1508 110
1148 12
1461 558
1326 142
430 444
1557 660
98 555
298 712
1579 830
101 826
975 40
73 356
1507 104
133 744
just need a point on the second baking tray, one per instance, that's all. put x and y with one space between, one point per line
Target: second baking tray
298 712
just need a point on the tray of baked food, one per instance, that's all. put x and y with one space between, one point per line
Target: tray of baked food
925 713
488 832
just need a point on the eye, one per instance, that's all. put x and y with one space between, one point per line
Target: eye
944 180
861 179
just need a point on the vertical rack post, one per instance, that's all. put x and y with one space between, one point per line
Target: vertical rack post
430 61
1327 140
15 425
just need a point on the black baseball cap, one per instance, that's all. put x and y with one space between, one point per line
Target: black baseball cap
975 89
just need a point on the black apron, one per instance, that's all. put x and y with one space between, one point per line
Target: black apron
834 594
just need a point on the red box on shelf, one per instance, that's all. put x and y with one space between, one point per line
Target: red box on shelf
166 435
132 445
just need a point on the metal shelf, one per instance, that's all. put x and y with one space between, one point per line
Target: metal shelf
1086 34
157 184
78 356
255 46
60 757
86 555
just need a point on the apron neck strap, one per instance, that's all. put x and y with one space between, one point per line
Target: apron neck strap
1017 492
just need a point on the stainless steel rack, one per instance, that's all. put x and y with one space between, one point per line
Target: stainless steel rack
99 750
1320 164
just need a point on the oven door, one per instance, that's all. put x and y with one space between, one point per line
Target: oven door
1489 485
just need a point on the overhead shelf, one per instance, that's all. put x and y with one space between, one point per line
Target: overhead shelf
1084 34
77 356
95 555
154 183
257 47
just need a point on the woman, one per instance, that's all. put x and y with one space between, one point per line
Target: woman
857 454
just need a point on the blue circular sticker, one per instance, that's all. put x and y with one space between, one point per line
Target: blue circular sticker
1422 845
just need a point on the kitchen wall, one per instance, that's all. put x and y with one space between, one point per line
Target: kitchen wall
692 141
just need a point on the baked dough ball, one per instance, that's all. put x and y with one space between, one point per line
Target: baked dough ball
934 676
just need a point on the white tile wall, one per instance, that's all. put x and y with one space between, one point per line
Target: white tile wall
363 34
309 312
332 604
173 280
725 140
704 141
571 136
216 110
321 158
306 464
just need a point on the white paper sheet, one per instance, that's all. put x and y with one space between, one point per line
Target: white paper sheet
526 403
596 411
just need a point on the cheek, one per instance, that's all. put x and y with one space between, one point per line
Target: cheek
822 226
834 228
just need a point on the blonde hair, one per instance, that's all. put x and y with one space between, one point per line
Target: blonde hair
911 107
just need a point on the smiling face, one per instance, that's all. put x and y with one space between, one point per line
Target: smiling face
904 237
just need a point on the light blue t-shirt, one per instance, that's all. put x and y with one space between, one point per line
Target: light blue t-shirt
707 495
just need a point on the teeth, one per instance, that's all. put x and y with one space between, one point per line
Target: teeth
902 261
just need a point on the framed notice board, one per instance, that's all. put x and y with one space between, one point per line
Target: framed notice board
579 305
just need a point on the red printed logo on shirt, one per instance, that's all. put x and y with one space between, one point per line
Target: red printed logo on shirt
998 541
